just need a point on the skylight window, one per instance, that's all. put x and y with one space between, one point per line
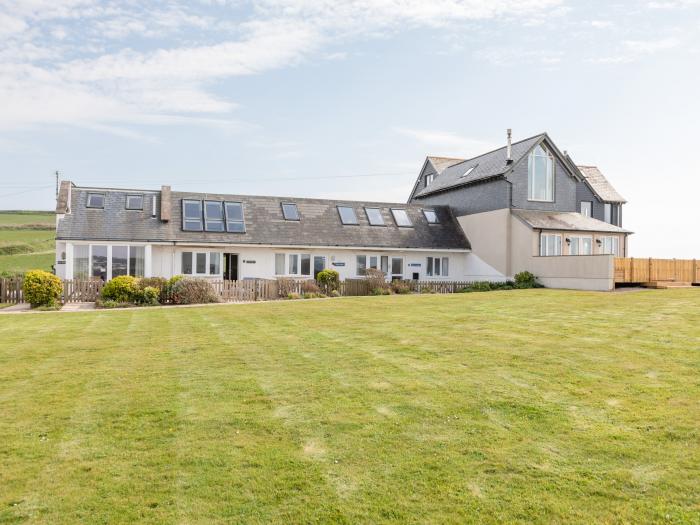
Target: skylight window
134 202
213 216
374 216
290 211
469 170
431 216
234 217
192 215
96 200
401 217
347 215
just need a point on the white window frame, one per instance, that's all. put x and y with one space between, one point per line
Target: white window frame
380 262
429 178
550 251
207 262
590 208
610 245
288 257
437 266
578 241
550 175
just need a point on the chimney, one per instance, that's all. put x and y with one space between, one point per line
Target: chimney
509 148
165 203
63 198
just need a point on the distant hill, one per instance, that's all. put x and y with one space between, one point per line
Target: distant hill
26 241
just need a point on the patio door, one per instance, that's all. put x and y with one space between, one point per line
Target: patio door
319 264
396 268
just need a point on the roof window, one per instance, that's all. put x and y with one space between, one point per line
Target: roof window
290 211
469 170
347 215
431 216
134 202
401 217
96 200
374 216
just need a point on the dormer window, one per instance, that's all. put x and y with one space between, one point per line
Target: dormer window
96 200
429 179
134 202
540 175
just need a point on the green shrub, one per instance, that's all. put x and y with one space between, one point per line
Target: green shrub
526 280
108 304
335 293
121 289
41 288
329 280
293 295
159 283
150 296
193 291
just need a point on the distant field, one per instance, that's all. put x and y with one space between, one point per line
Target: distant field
26 241
520 407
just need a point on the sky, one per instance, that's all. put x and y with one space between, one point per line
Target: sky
344 99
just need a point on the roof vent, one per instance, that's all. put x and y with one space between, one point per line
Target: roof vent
509 148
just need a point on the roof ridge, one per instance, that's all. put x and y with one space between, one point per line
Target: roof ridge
501 147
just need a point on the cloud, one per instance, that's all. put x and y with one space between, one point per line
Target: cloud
672 4
108 64
509 56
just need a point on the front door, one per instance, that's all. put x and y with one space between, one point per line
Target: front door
319 264
396 268
231 266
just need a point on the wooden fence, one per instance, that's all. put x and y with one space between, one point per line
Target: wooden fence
631 270
76 290
11 290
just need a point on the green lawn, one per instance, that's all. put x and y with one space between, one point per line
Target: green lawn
23 244
503 407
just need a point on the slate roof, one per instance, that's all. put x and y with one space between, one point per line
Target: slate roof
486 166
600 185
559 220
441 163
319 225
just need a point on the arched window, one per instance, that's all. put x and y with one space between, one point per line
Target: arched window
540 175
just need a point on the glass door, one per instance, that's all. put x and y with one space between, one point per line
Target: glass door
319 264
396 268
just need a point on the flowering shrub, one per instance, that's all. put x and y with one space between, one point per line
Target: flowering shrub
122 289
41 288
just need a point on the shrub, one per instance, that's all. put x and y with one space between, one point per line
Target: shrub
400 287
310 287
286 286
168 289
108 304
150 296
159 283
376 279
41 288
335 293
122 289
293 295
329 280
526 280
193 291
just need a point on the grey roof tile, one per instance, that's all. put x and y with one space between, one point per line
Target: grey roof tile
600 185
485 166
553 220
319 225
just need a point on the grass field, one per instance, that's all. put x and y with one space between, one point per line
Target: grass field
26 241
504 407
